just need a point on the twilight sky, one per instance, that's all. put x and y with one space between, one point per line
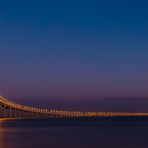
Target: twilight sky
75 51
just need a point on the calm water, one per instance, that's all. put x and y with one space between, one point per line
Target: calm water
73 134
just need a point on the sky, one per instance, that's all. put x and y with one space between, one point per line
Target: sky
75 54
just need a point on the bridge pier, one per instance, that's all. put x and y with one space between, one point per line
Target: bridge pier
4 112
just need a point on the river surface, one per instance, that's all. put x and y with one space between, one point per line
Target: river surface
73 134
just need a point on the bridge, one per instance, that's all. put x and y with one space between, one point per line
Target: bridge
10 109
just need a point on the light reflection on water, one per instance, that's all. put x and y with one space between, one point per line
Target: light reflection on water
44 134
1 138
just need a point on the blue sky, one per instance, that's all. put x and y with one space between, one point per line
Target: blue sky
74 50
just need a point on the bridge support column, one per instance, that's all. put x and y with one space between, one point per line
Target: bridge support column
10 112
1 111
14 113
4 112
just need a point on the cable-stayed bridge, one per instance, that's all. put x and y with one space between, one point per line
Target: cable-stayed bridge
10 109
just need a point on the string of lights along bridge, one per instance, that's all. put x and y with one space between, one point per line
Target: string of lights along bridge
10 109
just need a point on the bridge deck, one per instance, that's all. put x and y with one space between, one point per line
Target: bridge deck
10 109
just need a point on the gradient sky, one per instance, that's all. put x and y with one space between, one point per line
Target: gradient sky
84 51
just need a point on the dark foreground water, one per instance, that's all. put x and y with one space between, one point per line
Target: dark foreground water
73 134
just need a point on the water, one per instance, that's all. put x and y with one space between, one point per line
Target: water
73 134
